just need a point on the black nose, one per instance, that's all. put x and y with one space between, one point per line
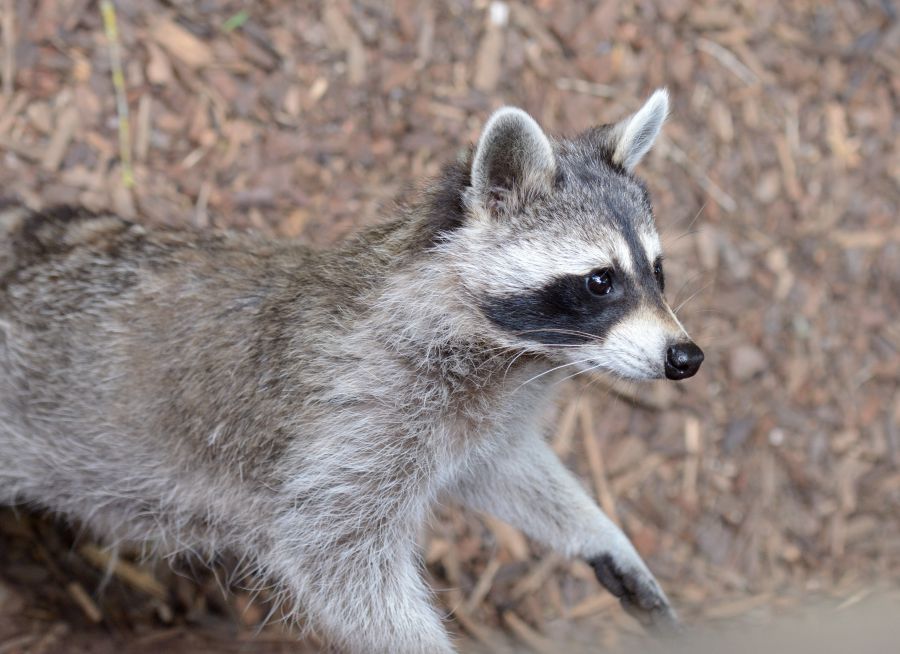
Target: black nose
683 360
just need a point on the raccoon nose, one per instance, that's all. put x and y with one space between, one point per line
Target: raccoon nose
683 360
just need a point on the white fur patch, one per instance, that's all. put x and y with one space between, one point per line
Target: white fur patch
650 243
637 133
636 347
532 263
622 254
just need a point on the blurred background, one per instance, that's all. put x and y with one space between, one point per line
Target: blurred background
769 482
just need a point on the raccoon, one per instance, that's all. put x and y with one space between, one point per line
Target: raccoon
203 392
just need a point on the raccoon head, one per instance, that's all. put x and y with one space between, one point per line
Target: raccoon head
558 250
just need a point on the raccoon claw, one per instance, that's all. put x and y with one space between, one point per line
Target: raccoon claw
639 594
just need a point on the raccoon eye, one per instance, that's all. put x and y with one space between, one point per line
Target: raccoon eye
600 282
658 273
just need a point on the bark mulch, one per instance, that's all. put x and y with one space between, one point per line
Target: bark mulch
769 479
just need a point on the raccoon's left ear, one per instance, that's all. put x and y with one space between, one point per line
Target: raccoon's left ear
632 137
513 161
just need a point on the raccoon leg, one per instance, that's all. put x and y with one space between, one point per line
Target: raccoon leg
530 488
367 597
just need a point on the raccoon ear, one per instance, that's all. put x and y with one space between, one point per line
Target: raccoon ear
513 160
632 137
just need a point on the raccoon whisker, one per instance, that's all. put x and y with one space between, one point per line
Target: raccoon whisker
588 369
709 311
547 372
693 220
611 386
510 364
553 330
693 295
500 351
688 281
523 352
505 349
689 232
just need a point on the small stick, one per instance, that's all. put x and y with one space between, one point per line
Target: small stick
536 577
479 631
692 464
729 60
483 587
585 87
595 462
17 643
9 46
130 574
715 191
56 149
591 605
79 594
562 441
108 10
527 635
142 138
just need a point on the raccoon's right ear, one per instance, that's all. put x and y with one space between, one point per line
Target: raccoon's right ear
513 162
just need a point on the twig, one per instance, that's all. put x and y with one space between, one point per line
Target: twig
585 87
527 635
21 149
56 149
130 574
108 10
9 46
729 60
592 604
479 631
18 643
535 579
485 581
595 463
692 444
715 191
565 430
90 608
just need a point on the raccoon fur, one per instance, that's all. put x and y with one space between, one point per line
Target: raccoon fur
204 392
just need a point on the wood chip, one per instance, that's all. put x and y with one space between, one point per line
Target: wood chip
692 463
84 601
595 462
127 572
483 586
56 150
8 27
348 40
531 582
489 58
596 603
181 44
509 537
528 635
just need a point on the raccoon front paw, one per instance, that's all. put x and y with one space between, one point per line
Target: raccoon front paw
638 592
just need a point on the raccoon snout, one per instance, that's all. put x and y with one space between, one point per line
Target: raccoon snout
683 360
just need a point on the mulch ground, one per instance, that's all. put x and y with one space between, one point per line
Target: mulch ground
770 478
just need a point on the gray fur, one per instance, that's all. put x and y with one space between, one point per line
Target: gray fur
513 162
197 392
